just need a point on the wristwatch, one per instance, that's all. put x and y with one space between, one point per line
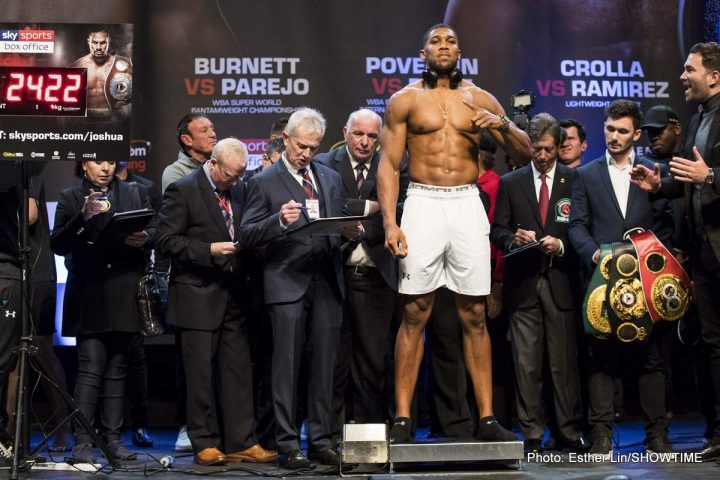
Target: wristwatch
506 123
710 178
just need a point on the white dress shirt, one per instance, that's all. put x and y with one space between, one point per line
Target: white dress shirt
360 255
620 179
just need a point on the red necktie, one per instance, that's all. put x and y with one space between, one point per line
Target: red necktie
307 184
544 200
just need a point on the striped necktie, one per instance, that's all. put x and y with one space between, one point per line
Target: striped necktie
360 169
226 209
307 184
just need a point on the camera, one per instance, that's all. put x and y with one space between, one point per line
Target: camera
522 102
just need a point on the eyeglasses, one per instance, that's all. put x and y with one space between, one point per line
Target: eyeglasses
229 177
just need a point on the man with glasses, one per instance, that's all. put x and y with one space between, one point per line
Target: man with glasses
304 288
370 278
199 229
533 205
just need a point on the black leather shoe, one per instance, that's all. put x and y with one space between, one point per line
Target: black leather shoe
551 444
601 450
120 451
326 456
579 445
141 438
295 460
658 445
533 445
712 451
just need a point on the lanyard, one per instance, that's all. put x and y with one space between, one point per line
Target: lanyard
225 205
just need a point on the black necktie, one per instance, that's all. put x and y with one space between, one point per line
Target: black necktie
360 176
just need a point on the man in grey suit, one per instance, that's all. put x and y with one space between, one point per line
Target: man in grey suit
304 287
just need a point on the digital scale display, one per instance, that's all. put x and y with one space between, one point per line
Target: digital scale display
43 91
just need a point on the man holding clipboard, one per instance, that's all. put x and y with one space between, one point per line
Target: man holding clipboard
304 287
531 220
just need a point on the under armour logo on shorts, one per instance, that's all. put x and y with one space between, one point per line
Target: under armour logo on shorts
405 275
9 314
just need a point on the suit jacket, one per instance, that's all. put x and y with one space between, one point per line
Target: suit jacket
517 204
710 194
102 276
374 237
190 220
595 216
291 260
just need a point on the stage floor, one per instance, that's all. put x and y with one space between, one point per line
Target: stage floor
685 434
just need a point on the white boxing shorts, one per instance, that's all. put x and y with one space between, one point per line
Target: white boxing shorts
447 233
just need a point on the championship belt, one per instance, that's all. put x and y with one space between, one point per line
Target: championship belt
627 310
595 320
118 83
666 286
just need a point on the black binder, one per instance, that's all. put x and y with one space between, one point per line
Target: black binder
325 226
123 224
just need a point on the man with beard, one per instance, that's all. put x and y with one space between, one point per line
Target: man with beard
445 235
696 178
109 78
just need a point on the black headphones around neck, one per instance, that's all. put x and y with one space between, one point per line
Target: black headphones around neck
430 77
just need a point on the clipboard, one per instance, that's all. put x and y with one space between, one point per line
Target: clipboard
326 226
125 223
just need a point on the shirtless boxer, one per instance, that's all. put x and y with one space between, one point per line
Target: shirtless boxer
109 78
444 240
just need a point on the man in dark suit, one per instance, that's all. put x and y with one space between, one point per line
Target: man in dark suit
304 288
696 177
370 277
200 230
533 204
605 205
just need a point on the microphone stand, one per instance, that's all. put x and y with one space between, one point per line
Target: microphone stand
26 353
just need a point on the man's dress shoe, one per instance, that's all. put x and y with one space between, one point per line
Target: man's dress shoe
295 460
254 454
210 456
326 456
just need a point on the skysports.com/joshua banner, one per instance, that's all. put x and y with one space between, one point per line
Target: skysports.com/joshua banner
632 457
88 136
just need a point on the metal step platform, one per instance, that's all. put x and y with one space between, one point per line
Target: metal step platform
502 452
367 443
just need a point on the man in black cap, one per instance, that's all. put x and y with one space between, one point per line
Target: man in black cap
662 126
664 132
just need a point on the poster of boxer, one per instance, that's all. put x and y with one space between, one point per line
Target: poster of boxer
65 91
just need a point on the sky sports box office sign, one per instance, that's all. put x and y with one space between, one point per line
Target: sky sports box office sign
65 91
